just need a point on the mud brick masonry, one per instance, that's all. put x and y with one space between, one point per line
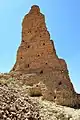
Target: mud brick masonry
36 54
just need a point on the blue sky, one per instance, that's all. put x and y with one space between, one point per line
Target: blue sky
63 23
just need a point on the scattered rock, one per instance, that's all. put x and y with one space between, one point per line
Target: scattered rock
14 105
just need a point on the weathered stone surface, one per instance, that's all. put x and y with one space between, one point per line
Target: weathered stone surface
15 105
36 54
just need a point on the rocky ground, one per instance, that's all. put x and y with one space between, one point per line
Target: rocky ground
16 104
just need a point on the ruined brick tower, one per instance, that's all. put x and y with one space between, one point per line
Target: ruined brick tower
37 50
37 54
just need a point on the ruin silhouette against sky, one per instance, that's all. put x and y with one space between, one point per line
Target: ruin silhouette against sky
63 22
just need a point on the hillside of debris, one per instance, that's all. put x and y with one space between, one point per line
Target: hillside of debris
17 104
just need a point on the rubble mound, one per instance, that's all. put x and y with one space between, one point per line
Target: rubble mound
14 105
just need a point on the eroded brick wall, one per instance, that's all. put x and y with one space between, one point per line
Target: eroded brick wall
37 54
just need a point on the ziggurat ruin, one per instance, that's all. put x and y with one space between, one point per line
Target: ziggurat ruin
38 65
